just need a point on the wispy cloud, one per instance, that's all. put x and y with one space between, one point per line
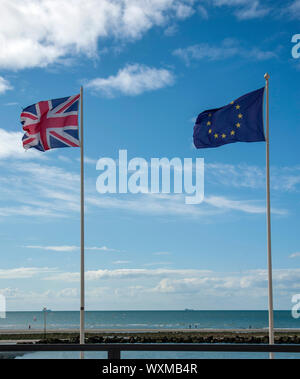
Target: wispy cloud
35 189
88 160
295 255
29 211
162 253
4 85
53 248
157 264
132 80
285 178
11 104
202 11
102 248
174 205
227 49
68 248
56 192
241 205
245 9
131 273
293 9
24 272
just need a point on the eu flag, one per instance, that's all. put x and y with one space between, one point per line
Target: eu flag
239 121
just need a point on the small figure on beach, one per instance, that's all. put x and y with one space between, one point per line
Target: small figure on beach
29 326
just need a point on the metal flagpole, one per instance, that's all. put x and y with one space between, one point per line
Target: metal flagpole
270 286
81 226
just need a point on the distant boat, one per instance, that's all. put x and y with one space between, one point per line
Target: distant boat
188 310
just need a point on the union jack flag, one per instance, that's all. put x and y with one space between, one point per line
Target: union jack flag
51 124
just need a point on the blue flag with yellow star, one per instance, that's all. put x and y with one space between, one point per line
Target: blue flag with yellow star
239 121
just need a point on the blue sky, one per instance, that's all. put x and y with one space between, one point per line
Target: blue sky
148 68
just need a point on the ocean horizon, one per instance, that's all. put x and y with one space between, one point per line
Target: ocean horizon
151 319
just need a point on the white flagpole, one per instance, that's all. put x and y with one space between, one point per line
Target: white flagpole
81 226
270 285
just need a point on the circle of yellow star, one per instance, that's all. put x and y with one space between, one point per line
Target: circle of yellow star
237 106
232 132
238 125
208 123
240 115
223 135
209 131
216 135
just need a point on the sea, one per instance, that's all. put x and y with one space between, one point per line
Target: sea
150 320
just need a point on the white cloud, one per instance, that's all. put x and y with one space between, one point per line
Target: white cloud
242 206
157 264
88 160
203 12
174 205
32 189
190 280
67 248
130 273
230 2
11 146
30 211
255 10
133 80
171 30
217 284
102 248
294 9
162 253
64 159
4 85
11 104
295 255
40 32
53 248
228 48
56 192
160 289
68 292
245 9
285 178
24 272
